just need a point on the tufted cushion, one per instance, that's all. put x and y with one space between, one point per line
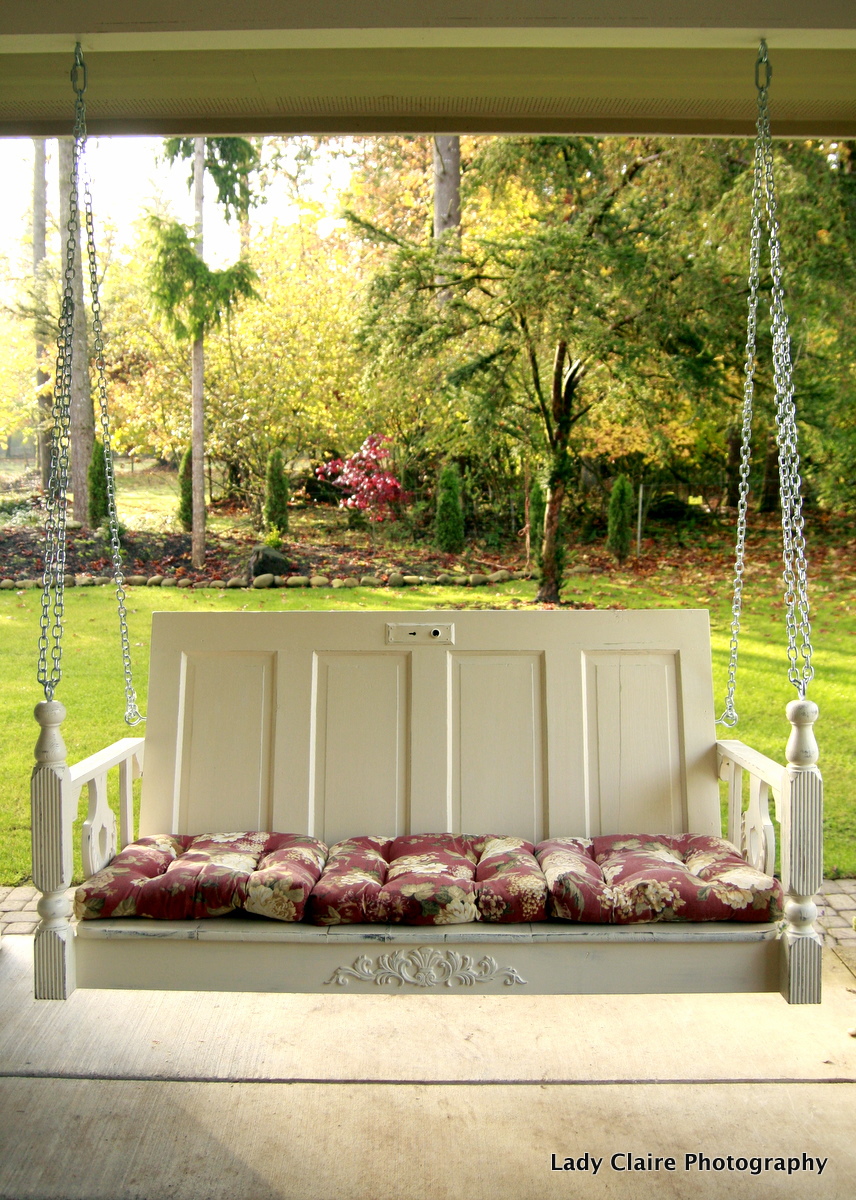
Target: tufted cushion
650 878
179 876
511 885
430 879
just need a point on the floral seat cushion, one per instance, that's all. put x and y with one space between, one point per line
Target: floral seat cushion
180 876
430 879
648 878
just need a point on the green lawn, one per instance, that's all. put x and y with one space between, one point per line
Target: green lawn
92 685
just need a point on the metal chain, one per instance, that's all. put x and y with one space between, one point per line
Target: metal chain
795 573
133 716
56 505
57 491
729 716
793 541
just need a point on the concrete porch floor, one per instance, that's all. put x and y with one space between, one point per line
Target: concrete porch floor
198 1096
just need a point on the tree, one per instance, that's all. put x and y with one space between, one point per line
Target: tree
185 490
574 254
447 198
99 508
620 519
276 495
449 521
207 295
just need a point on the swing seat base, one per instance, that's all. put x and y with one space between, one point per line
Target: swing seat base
238 953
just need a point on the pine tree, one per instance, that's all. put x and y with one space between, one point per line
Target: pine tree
98 506
276 495
620 518
185 490
449 522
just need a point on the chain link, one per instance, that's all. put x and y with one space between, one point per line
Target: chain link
50 640
56 505
764 206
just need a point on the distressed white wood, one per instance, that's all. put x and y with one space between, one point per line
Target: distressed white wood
430 737
496 744
635 760
802 857
540 724
98 844
52 813
741 755
359 744
125 750
222 954
751 831
225 758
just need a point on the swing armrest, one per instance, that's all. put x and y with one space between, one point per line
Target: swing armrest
751 830
738 754
99 829
126 749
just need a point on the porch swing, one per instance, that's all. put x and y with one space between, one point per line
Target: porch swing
561 729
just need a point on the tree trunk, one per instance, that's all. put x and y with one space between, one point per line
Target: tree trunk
551 552
558 422
82 432
447 184
40 196
734 442
197 436
770 501
447 199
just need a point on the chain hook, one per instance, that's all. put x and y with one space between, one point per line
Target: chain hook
763 61
78 70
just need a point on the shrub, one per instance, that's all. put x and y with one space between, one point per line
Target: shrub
620 518
537 512
276 495
185 490
449 521
98 505
370 489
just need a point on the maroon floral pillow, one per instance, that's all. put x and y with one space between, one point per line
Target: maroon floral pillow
348 890
685 878
510 883
179 877
574 880
112 892
287 872
430 881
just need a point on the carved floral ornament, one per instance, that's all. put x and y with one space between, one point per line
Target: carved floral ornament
425 968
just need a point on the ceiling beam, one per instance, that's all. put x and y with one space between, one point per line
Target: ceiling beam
579 66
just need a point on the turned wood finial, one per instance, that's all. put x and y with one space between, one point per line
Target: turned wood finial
50 748
801 750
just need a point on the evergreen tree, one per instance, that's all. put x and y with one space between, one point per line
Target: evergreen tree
537 512
449 522
620 518
98 506
276 495
185 490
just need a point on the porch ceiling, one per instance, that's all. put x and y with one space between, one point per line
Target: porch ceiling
611 66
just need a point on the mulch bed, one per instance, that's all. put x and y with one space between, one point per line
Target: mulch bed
21 556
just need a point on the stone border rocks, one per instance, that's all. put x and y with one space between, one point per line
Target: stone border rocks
395 579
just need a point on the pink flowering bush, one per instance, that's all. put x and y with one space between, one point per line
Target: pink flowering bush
370 488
